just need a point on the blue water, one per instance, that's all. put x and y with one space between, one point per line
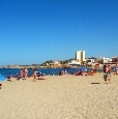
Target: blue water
47 71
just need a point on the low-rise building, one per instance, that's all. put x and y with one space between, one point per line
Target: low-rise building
74 62
115 59
106 60
90 61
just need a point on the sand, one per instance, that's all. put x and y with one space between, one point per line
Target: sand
60 97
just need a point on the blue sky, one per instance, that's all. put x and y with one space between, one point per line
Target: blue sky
34 31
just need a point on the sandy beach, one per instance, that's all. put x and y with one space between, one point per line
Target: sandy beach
60 97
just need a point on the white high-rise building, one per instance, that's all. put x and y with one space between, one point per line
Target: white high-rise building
80 55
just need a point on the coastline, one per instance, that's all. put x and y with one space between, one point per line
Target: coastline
53 66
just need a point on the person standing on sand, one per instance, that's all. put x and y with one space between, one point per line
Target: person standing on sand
104 75
116 69
108 70
107 73
25 73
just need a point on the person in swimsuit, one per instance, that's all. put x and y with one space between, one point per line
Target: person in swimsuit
35 75
107 73
25 72
116 69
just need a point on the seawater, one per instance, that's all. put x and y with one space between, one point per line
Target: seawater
46 71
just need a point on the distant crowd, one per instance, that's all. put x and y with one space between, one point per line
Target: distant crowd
107 69
107 72
82 71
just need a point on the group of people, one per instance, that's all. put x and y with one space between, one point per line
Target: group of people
80 72
23 74
62 72
85 72
36 76
107 72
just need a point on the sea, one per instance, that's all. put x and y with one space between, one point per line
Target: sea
6 72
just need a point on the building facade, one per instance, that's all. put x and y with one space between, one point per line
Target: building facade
80 56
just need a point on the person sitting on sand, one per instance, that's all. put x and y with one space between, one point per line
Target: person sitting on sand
78 73
35 76
21 74
91 72
61 72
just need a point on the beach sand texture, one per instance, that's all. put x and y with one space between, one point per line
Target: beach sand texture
60 97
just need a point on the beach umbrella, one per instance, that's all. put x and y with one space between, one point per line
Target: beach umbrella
2 78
